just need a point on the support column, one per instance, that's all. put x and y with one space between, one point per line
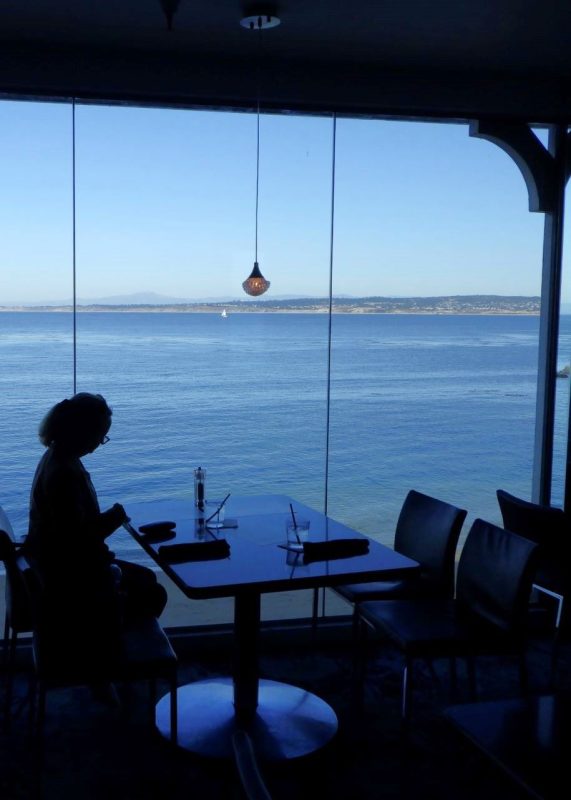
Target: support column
549 324
545 172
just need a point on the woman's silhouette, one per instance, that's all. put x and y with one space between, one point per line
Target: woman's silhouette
88 594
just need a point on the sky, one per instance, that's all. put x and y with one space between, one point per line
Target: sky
165 203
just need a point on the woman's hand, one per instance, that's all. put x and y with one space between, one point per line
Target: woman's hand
119 514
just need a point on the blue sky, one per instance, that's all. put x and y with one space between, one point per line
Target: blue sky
165 203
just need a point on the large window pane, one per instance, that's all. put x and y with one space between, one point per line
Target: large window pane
166 214
431 398
36 349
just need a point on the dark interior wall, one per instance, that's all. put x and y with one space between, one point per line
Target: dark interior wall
346 88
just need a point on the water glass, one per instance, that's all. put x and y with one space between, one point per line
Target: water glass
210 507
297 533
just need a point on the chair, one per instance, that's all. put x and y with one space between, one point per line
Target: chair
487 617
246 763
18 616
549 528
427 531
145 653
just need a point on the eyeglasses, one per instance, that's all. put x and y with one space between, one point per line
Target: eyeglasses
105 440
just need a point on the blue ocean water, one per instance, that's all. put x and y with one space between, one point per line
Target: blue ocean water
444 404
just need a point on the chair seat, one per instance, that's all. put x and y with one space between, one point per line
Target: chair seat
377 590
554 574
144 649
433 628
145 646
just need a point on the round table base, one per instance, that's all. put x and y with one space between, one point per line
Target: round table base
289 722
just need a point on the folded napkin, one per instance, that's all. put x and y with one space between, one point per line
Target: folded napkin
163 525
334 548
158 531
194 551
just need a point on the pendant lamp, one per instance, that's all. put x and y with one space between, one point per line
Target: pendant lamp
256 284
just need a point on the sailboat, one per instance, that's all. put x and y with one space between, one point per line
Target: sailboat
224 314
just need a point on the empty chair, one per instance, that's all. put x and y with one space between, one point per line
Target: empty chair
143 653
18 616
487 617
427 531
549 528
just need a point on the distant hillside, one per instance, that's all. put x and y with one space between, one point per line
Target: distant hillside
453 304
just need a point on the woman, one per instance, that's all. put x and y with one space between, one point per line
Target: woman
88 595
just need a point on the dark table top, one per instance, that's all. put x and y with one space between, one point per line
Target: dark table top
255 561
528 737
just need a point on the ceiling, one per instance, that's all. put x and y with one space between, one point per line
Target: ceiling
410 58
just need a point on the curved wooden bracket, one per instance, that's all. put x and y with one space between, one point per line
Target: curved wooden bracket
535 162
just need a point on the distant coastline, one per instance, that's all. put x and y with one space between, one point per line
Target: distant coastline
443 305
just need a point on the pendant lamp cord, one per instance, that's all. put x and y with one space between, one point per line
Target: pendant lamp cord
258 60
73 246
328 404
331 235
257 175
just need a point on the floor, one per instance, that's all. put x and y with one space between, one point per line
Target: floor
95 752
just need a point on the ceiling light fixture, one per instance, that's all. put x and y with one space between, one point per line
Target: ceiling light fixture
256 284
170 8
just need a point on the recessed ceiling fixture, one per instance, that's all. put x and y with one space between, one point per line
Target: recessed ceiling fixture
169 8
256 284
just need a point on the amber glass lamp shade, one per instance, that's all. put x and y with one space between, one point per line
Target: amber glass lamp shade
256 284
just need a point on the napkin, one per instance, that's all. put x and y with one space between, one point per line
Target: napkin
194 551
334 548
158 531
163 525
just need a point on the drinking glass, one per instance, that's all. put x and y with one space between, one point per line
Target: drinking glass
218 520
297 532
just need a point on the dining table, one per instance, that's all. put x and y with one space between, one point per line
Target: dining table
244 559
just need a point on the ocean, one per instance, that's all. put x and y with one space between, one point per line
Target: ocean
443 404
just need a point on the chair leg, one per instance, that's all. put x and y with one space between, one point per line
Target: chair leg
554 658
360 661
315 611
174 709
407 678
152 699
39 703
5 643
523 674
10 664
40 710
355 623
453 678
471 669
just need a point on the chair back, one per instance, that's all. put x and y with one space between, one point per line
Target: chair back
494 576
550 528
427 531
18 611
544 525
5 525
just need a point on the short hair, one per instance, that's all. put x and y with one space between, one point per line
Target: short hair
72 419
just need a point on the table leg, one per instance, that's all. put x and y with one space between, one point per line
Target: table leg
283 721
246 654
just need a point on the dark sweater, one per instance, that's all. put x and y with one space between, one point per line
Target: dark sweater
67 528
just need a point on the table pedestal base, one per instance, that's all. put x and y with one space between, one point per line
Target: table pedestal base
289 722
